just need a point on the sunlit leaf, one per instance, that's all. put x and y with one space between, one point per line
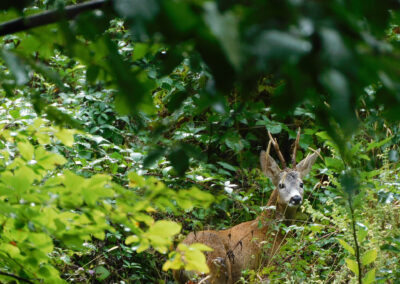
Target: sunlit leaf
369 256
346 246
352 265
369 277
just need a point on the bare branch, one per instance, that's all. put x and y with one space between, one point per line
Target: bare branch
295 147
276 146
49 17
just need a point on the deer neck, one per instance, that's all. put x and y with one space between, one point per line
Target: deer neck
281 212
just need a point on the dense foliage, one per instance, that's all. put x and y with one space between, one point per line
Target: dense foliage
130 126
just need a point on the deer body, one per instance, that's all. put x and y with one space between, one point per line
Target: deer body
242 246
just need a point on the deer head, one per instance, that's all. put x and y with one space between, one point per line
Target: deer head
288 181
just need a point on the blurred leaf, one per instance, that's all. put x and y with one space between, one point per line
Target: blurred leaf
145 9
225 28
369 256
349 183
16 66
179 160
160 234
334 163
352 265
101 273
346 246
152 157
227 166
234 142
369 277
131 239
393 156
26 149
275 44
377 144
272 126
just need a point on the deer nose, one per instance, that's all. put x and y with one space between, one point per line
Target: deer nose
295 200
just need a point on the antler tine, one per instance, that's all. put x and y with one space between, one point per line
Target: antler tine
296 145
276 146
267 153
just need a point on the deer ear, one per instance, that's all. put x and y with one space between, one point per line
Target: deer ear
304 167
269 167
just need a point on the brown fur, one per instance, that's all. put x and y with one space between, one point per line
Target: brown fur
243 246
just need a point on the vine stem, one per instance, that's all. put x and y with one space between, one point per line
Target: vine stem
353 221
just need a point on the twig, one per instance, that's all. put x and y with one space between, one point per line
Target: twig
16 277
49 17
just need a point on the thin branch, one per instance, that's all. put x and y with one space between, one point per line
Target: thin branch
49 17
353 223
16 277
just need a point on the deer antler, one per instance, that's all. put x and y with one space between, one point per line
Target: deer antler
296 145
276 146
267 154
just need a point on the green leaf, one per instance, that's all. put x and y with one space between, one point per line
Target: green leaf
48 73
189 257
164 228
176 100
377 144
362 232
179 160
26 150
41 241
180 15
234 142
142 9
187 199
274 44
352 265
101 272
152 157
393 156
16 66
335 164
66 136
161 233
225 29
369 256
227 166
346 246
390 248
131 239
139 51
272 126
369 277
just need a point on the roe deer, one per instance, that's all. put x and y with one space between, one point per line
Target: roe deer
241 247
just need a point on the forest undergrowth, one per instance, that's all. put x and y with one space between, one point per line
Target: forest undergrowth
98 185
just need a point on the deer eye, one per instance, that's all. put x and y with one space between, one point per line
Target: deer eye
301 185
281 185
